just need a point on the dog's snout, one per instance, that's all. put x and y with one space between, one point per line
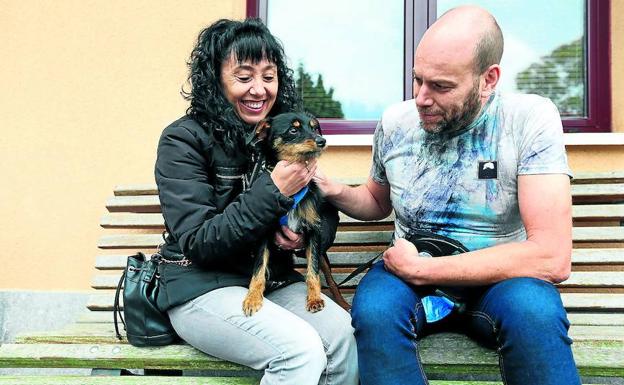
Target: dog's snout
320 141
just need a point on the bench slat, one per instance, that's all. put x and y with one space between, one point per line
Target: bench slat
149 220
598 256
165 380
582 193
609 256
583 302
136 189
125 241
136 204
162 380
598 234
155 220
104 333
601 212
133 221
588 319
459 355
597 193
609 279
616 176
135 380
109 356
594 279
579 234
592 301
337 258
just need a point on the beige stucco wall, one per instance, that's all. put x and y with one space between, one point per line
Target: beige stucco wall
88 86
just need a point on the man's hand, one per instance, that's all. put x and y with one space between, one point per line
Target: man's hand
402 260
365 202
326 186
286 239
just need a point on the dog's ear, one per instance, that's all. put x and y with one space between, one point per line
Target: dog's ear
316 126
260 132
262 129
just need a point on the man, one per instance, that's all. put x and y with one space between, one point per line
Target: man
488 170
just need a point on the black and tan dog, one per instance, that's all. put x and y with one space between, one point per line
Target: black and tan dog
294 137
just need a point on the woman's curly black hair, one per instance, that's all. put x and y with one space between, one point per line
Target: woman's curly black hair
248 40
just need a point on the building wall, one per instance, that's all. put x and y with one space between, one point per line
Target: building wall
88 86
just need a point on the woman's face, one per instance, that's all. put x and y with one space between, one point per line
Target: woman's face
251 88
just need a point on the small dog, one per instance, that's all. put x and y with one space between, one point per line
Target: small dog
294 137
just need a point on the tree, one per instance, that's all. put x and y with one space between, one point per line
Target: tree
559 76
316 99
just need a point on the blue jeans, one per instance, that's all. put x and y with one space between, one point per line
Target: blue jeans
522 318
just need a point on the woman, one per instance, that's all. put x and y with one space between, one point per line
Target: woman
214 217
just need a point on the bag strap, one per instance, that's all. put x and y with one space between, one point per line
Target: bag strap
117 312
364 266
117 308
417 237
360 269
440 243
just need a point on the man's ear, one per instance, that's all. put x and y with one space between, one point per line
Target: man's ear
260 132
490 80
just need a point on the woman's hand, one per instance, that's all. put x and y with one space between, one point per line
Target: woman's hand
286 239
292 177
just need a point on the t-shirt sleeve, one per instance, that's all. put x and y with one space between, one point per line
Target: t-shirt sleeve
542 150
378 170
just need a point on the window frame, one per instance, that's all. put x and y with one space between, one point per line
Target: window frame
419 14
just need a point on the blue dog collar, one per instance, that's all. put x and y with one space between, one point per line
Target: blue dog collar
297 198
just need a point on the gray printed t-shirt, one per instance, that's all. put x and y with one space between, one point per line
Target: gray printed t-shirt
465 186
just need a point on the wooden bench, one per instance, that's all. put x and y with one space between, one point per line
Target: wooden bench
593 296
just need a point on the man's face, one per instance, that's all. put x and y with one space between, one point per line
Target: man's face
446 90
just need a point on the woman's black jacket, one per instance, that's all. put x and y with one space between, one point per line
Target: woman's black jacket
214 217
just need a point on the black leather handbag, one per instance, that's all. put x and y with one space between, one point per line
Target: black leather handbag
434 245
144 323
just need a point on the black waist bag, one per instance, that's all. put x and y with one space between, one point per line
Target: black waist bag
144 323
433 245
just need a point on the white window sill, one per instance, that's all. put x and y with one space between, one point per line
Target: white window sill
594 139
580 139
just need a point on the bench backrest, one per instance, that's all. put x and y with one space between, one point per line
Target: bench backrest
134 223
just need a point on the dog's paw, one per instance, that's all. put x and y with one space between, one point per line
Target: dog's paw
315 304
252 304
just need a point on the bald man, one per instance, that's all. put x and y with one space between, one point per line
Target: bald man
488 170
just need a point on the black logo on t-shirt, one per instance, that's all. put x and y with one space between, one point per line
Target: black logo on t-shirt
488 169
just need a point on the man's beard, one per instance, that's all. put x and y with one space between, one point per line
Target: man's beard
457 117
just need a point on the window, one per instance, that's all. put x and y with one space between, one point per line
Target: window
351 61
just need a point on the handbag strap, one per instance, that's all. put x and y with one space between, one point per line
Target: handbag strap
440 243
117 308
